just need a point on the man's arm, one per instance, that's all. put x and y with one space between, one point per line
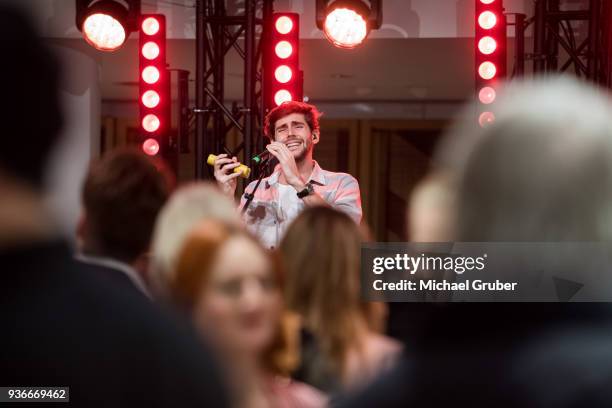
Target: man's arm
348 198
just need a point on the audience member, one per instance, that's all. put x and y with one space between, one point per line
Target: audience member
122 195
321 252
541 172
62 327
187 205
232 288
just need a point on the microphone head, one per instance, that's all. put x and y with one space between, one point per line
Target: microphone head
261 157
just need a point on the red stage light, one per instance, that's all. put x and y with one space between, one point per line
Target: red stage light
281 61
150 123
487 45
283 74
487 20
150 99
283 49
284 25
490 56
150 75
487 95
150 26
487 70
150 147
150 50
282 96
345 28
486 119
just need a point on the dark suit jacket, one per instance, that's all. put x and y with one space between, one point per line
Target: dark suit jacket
114 277
62 327
502 355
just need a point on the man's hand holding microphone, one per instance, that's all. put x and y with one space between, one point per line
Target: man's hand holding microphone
225 173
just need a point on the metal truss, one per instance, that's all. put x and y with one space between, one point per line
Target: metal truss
217 32
555 29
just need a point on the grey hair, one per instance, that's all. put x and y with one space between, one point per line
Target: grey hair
541 172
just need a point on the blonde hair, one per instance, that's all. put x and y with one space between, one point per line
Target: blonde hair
188 205
321 252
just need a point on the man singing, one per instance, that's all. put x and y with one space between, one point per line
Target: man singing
297 181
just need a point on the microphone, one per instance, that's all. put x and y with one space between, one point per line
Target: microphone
244 171
261 157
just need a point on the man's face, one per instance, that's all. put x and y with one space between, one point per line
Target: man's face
294 132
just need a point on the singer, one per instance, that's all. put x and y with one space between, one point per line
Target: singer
297 181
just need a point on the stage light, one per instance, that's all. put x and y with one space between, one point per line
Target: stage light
281 65
283 25
150 75
150 99
104 27
150 26
486 95
150 147
486 118
345 28
106 24
490 56
150 123
150 50
487 70
487 45
283 74
282 96
487 20
283 49
154 84
347 23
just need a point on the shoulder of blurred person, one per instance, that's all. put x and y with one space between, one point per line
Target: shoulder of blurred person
558 357
69 328
287 393
119 274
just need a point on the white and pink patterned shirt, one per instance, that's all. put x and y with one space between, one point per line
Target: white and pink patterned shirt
276 205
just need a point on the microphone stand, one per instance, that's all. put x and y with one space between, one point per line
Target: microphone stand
250 196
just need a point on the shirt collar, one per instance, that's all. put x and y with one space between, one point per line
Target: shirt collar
316 176
117 265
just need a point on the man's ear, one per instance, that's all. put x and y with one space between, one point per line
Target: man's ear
315 137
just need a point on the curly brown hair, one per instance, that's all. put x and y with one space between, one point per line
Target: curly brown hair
311 114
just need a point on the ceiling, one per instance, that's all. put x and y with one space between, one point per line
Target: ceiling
381 69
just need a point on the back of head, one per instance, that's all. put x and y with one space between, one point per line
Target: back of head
30 109
542 171
188 205
122 196
321 253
